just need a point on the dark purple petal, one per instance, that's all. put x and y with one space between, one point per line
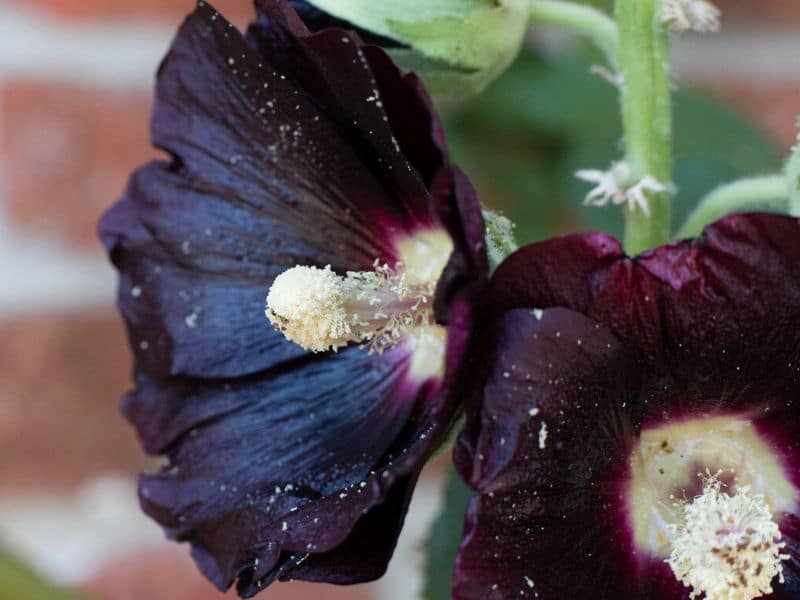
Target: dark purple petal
343 436
707 309
192 277
410 111
254 461
557 416
699 313
286 148
265 175
697 329
412 121
364 555
557 272
456 202
334 68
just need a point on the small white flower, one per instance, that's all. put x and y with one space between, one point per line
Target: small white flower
636 194
613 187
609 188
696 15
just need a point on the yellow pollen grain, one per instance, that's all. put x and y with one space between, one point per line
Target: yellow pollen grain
665 462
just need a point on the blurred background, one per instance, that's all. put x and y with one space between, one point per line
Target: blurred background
75 96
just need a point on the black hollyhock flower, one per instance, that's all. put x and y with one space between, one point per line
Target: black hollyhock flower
310 154
637 431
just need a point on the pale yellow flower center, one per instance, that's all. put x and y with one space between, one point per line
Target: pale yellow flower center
727 546
706 495
322 310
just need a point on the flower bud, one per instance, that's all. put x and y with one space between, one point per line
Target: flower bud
457 46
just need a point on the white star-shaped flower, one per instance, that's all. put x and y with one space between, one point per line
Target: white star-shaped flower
613 187
696 15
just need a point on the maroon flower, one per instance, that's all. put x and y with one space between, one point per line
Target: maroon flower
609 384
291 150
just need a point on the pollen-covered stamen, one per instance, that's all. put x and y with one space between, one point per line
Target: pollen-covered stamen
321 310
727 547
685 15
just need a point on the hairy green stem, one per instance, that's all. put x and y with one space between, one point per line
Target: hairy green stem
585 20
646 115
770 192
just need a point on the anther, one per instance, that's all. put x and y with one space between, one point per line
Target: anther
727 547
321 310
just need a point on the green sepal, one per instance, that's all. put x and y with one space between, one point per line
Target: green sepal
457 46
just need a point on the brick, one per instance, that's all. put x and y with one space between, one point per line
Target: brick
773 106
67 152
751 12
61 378
168 11
168 574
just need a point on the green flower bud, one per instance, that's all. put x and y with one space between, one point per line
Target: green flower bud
457 46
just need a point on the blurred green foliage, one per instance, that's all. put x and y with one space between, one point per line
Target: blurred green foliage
19 582
606 5
523 139
444 538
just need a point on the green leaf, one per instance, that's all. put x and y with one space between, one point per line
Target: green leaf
444 539
19 582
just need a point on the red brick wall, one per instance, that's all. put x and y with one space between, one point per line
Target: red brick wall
169 11
755 12
68 139
68 150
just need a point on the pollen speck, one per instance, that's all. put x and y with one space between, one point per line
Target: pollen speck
543 436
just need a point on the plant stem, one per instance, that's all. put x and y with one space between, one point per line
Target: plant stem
770 192
793 180
646 115
586 20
